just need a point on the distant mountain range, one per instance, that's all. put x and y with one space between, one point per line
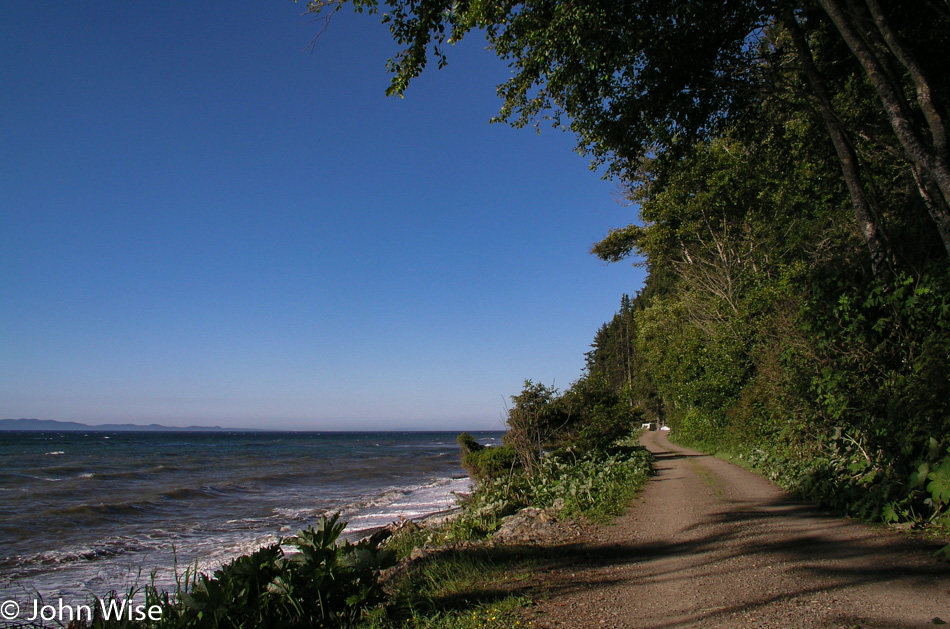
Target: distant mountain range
50 425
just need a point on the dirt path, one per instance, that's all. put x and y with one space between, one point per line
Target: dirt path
710 544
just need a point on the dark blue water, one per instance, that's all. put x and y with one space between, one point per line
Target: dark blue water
85 513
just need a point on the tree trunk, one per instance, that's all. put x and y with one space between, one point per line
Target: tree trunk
935 205
931 160
938 129
847 157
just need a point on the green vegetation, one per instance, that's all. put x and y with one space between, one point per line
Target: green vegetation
483 463
595 486
464 579
469 581
790 162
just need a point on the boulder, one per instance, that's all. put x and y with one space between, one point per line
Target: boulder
528 526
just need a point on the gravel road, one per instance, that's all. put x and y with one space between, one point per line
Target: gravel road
710 544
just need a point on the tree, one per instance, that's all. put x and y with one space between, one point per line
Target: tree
631 77
643 77
844 146
892 65
534 419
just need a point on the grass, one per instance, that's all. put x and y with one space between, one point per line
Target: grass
461 589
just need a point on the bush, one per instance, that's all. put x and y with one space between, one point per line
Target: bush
537 415
489 463
593 486
605 425
468 444
850 477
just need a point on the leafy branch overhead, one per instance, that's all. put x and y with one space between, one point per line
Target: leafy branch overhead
789 165
645 78
596 68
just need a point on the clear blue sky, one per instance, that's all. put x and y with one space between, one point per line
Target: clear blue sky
205 222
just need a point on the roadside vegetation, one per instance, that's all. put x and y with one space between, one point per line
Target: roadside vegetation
788 169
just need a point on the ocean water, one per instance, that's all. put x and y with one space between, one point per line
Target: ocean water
90 512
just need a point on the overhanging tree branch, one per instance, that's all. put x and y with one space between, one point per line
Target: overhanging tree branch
931 159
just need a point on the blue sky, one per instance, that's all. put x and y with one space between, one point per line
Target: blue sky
204 221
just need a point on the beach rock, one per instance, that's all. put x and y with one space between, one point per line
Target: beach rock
418 553
380 536
528 526
438 519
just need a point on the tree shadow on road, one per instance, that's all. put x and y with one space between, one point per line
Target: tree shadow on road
806 553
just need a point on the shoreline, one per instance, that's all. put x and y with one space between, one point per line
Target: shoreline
428 520
84 572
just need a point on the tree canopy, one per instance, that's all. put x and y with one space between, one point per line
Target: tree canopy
639 78
789 161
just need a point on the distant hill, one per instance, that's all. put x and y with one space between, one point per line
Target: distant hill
50 425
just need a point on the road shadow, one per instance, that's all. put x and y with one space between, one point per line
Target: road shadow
558 571
813 554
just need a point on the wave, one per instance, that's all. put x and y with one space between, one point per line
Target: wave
157 504
100 509
134 473
107 549
190 493
65 473
387 505
415 502
48 479
137 506
296 513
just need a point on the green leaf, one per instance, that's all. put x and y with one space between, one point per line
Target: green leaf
939 486
890 514
918 478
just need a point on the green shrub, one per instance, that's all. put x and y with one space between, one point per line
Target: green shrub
468 444
605 425
488 463
593 486
481 462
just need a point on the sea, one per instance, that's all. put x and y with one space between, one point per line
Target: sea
88 513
